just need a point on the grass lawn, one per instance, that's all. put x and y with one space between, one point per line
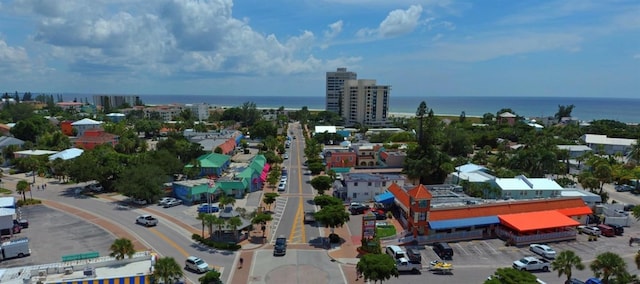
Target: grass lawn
385 231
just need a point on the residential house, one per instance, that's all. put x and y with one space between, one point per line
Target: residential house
85 124
5 130
470 173
115 117
340 160
363 187
391 158
6 141
367 155
522 187
27 153
94 137
601 144
507 118
67 154
66 127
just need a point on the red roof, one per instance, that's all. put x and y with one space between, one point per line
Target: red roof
576 211
537 220
228 146
420 192
509 207
384 155
399 194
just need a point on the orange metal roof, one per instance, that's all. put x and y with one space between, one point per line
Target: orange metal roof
507 207
399 194
420 192
576 211
537 220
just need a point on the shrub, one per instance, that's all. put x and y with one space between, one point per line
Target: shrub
214 244
29 201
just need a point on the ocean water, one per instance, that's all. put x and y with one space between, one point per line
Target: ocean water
585 109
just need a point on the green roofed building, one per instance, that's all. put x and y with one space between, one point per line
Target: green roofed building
212 164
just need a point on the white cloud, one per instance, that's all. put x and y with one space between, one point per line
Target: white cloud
491 47
13 59
398 22
334 30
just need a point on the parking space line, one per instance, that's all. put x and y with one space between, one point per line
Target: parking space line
488 245
480 252
462 249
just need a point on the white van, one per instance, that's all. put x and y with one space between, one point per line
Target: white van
196 264
396 252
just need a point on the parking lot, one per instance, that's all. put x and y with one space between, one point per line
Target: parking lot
53 234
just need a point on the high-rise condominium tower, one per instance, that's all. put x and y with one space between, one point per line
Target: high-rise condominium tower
335 87
365 103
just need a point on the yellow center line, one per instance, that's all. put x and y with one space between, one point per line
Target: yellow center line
170 242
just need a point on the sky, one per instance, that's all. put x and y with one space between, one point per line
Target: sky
565 48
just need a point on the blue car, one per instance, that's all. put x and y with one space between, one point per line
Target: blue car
204 208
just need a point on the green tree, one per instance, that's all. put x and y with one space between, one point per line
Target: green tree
321 183
212 277
219 222
565 262
269 198
122 248
563 111
167 269
326 200
226 200
509 275
141 182
377 267
316 167
332 216
202 217
22 187
609 264
420 113
30 128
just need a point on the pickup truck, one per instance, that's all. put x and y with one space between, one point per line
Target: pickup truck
531 263
309 217
147 220
405 265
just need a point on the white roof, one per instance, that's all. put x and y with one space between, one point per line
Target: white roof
470 167
115 114
604 140
323 129
7 211
35 152
475 176
67 154
524 183
7 201
86 121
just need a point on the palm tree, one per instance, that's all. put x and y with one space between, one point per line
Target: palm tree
226 200
608 264
234 223
209 221
420 113
565 262
219 222
122 247
202 217
637 260
22 187
167 269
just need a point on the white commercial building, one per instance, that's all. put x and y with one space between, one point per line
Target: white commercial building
365 103
335 88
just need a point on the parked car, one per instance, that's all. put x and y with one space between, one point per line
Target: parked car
282 186
575 281
379 216
164 200
285 156
531 263
171 203
147 220
280 248
139 201
96 187
283 179
618 229
206 208
23 223
16 230
543 250
590 230
443 250
358 209
196 264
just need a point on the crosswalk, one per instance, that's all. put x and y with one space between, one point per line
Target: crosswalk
278 210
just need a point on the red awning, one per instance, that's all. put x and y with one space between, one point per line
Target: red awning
576 211
537 220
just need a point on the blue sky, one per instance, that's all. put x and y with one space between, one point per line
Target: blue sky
581 48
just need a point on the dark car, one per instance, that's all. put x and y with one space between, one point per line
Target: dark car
379 216
414 254
443 250
280 248
617 229
23 223
357 209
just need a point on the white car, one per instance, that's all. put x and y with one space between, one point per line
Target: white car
282 186
147 220
171 203
590 230
164 200
543 250
283 179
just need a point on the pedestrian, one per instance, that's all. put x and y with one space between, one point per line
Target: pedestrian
241 261
38 187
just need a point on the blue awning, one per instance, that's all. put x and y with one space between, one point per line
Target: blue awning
464 222
385 198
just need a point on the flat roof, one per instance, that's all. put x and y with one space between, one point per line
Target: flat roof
539 220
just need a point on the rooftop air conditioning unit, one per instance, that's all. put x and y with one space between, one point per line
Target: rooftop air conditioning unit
68 270
42 273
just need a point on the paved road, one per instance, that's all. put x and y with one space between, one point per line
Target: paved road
167 239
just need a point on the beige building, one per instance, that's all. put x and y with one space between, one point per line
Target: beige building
365 103
335 88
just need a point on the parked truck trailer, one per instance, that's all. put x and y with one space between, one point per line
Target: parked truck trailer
15 248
